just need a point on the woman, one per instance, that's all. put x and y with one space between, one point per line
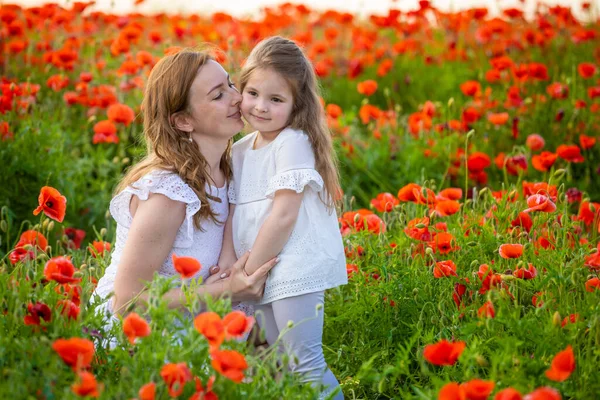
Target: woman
174 201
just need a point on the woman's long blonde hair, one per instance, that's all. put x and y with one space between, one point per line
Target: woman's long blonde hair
287 59
168 148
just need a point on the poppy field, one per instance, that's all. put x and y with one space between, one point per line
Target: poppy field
470 165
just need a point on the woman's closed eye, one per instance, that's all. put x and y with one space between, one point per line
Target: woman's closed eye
220 95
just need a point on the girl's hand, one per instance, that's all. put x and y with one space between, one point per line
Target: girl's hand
244 287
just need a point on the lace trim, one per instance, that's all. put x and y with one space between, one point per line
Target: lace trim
167 184
295 179
281 290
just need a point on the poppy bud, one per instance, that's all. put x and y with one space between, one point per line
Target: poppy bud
107 214
429 251
125 160
483 191
115 160
45 224
103 232
3 226
290 324
556 320
83 266
319 307
450 102
474 264
481 361
472 244
415 291
507 277
559 173
92 269
470 134
50 225
420 226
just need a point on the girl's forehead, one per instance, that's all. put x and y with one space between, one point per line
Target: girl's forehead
268 79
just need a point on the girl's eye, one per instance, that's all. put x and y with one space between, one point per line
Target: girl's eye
219 96
252 93
276 100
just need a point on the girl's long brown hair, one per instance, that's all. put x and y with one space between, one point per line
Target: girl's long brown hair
167 92
287 59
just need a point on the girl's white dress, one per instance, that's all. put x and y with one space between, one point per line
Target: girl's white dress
313 258
203 245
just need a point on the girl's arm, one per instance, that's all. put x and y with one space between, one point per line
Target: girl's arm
276 230
228 257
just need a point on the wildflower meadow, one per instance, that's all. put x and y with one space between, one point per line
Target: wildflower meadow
470 165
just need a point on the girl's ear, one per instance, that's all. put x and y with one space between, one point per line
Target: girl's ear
180 121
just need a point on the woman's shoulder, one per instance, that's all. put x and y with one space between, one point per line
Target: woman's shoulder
165 182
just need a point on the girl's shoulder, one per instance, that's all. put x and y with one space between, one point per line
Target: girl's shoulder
245 142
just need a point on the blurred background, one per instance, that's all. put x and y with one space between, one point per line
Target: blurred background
251 7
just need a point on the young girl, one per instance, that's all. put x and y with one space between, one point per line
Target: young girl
282 202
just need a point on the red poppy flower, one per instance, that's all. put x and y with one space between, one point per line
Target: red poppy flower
586 70
523 220
593 261
450 194
569 319
535 142
592 284
175 376
351 269
477 389
544 393
98 248
333 110
529 273
367 87
237 324
418 229
230 364
508 394
486 310
75 352
587 142
570 153
478 162
60 269
28 245
558 90
451 391
86 385
444 269
385 202
148 391
444 352
443 242
540 202
186 266
210 325
75 236
36 312
135 326
445 208
544 161
52 203
563 364
589 212
498 118
511 250
120 114
470 88
68 309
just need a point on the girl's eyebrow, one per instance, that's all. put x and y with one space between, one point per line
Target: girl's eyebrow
274 95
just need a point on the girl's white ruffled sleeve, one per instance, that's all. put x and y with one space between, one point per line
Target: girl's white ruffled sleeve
295 166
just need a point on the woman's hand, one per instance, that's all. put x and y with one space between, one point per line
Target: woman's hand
245 287
216 274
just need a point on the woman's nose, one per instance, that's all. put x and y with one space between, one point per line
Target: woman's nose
236 98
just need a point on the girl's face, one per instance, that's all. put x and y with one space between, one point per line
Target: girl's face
267 101
214 107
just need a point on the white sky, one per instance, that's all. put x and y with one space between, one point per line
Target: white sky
248 7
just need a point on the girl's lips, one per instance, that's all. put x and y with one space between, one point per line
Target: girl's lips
237 114
259 118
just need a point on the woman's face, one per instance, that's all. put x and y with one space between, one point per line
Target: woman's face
214 107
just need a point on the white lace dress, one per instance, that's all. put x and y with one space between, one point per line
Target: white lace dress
313 258
205 246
